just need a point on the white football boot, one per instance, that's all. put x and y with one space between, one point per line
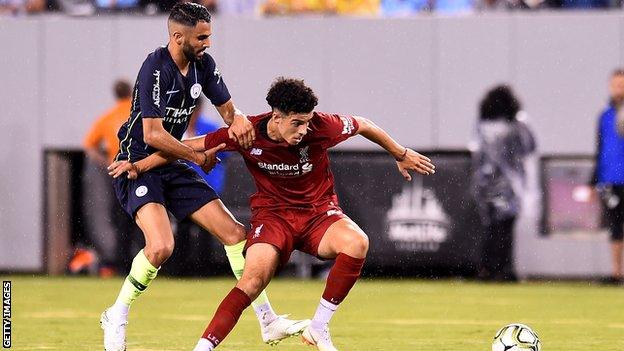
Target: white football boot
282 328
319 338
114 333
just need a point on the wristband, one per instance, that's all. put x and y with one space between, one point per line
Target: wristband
402 157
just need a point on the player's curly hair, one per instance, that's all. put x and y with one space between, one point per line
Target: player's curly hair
290 95
189 13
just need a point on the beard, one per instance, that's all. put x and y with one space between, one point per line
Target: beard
189 53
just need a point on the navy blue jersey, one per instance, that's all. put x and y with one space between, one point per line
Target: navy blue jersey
161 91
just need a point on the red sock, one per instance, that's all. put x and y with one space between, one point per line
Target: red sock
226 316
342 277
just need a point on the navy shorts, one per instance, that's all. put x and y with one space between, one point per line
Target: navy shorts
176 186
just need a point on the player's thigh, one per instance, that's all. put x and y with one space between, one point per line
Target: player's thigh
153 220
343 236
261 261
218 220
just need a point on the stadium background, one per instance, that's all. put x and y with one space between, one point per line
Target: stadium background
419 78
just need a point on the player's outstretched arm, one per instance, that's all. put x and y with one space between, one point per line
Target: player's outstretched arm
158 159
407 159
241 130
155 135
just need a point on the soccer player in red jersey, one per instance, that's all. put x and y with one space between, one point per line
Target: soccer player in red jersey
295 207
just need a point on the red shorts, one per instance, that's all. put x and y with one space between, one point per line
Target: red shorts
293 228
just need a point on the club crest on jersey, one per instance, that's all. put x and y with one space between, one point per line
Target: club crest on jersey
196 90
303 154
141 191
255 151
347 125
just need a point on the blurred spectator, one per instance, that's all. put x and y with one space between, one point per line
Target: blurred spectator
116 5
356 7
109 229
152 7
609 173
403 8
453 7
340 7
499 5
504 143
239 7
18 7
585 4
296 7
77 7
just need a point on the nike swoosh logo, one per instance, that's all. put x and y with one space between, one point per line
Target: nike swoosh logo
172 92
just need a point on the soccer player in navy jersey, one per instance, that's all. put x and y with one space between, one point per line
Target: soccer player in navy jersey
166 92
295 207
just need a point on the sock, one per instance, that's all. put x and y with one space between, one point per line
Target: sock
204 345
342 276
265 314
234 255
141 275
323 314
226 316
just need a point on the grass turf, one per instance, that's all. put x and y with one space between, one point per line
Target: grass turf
63 314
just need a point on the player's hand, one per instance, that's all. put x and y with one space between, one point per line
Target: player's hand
211 158
242 131
118 168
413 161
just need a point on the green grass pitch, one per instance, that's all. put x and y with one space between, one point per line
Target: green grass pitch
453 315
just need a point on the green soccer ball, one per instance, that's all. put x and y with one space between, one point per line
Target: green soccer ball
516 337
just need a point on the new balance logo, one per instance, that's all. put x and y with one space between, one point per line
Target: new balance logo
333 212
255 152
257 231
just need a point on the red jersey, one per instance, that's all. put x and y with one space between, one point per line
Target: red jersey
291 175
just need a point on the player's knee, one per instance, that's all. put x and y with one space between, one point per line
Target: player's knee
252 286
158 252
359 245
236 235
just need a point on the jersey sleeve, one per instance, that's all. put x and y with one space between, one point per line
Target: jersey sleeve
220 136
337 128
213 85
152 87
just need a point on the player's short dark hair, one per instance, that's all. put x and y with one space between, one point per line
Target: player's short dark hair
122 89
499 103
617 72
189 13
290 95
